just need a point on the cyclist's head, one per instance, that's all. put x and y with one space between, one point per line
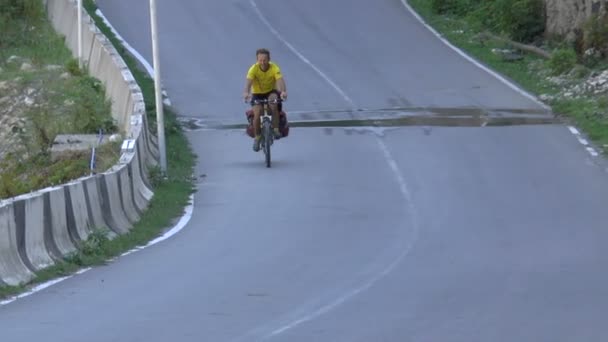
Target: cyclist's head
263 58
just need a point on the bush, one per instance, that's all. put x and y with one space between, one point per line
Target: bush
96 243
91 109
28 10
521 20
457 7
579 72
524 20
73 67
16 17
10 182
562 60
602 102
595 35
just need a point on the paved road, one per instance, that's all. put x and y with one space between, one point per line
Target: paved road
356 233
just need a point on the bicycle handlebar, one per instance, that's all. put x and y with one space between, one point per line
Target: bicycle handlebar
267 101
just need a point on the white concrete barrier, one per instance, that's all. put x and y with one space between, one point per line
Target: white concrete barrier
94 202
141 152
111 203
13 271
30 218
77 211
56 205
141 193
128 202
38 228
140 177
63 17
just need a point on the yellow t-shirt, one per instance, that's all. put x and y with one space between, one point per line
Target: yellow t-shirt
263 81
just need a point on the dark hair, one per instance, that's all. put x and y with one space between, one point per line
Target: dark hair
262 52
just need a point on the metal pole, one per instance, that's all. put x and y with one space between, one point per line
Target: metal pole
159 97
79 23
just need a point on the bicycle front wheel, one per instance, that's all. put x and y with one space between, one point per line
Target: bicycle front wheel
267 136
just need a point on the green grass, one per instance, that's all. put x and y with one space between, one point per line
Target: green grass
517 71
41 171
590 113
62 105
171 194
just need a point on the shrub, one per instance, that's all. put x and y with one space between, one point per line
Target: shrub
16 16
595 35
457 7
73 67
92 108
562 60
28 10
521 20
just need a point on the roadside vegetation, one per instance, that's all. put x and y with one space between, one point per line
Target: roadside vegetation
171 191
509 36
44 93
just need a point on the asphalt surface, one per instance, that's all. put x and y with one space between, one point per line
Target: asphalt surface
356 233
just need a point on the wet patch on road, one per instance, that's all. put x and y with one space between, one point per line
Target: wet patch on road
397 117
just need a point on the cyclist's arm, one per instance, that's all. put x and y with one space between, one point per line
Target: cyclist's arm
279 80
281 86
247 89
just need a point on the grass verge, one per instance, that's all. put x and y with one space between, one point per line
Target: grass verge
171 194
588 112
43 93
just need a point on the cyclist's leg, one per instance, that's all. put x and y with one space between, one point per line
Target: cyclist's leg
257 112
274 108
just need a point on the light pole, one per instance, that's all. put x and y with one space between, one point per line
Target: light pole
157 85
79 23
159 101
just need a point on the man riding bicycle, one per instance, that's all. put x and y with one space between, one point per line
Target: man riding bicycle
264 81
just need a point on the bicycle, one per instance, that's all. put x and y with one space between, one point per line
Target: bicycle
266 126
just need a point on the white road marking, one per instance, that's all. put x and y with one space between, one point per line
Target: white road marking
304 59
176 229
470 59
402 186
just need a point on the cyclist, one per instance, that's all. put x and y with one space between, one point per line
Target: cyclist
264 81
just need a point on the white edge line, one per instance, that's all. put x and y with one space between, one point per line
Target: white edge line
41 287
592 151
402 185
350 294
583 141
137 55
472 60
35 289
140 58
176 229
297 53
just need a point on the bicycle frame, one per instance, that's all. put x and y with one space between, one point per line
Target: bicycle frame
266 127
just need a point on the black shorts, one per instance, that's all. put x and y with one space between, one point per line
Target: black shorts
264 96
